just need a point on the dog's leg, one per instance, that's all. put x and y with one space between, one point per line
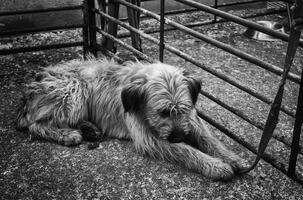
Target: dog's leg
177 153
89 131
65 136
202 139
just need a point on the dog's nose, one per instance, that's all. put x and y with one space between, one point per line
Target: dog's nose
176 136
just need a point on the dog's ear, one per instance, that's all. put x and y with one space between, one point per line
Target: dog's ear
133 96
194 86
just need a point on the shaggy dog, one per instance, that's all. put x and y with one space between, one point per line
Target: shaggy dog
151 104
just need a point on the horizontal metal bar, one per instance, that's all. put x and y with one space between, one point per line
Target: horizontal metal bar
185 56
238 3
31 11
237 19
209 22
36 30
128 47
39 48
187 10
272 68
204 23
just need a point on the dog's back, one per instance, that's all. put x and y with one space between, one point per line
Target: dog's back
64 95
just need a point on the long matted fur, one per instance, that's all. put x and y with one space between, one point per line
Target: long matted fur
151 104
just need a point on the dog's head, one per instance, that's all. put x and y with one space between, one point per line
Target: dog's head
164 98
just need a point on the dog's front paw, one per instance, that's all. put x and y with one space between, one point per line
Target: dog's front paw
90 132
222 171
238 164
72 138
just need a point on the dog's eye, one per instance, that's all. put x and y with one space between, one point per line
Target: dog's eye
165 113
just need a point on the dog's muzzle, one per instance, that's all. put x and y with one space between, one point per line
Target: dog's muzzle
176 136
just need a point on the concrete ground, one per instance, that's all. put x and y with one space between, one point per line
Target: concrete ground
35 169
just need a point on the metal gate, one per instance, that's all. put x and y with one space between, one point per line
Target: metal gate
108 11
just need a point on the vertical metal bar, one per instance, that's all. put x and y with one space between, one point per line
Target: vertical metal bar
162 22
295 33
215 6
133 18
102 7
85 28
289 19
92 27
113 10
296 133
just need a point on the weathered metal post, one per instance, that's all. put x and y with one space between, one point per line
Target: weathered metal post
296 28
134 20
92 27
102 7
85 28
162 23
112 28
215 6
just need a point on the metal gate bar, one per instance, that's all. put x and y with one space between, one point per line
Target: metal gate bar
188 10
259 125
296 148
162 23
204 23
221 45
296 21
238 20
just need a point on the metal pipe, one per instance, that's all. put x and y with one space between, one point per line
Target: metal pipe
185 56
216 7
187 10
85 29
91 24
162 23
295 146
295 33
238 20
237 3
221 45
204 23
